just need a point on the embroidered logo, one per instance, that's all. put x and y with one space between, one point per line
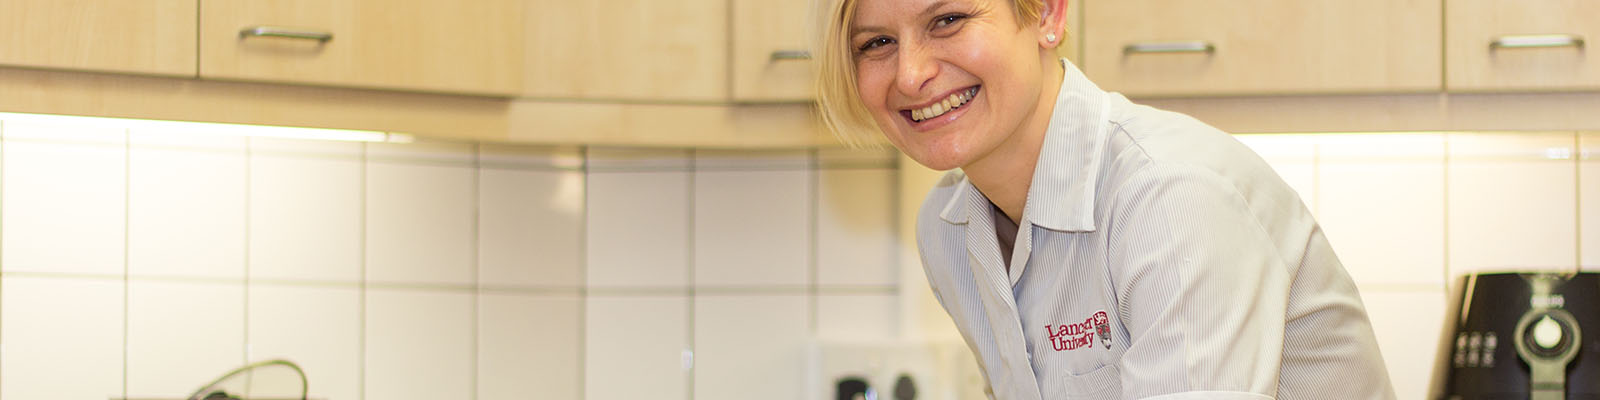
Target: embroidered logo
1074 336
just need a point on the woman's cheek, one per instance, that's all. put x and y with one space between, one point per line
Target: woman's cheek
872 85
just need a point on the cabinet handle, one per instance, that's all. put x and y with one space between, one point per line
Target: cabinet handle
273 31
787 55
1193 46
1536 41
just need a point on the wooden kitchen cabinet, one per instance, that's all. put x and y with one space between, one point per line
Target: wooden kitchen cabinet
1514 45
154 37
771 58
444 46
627 50
1236 47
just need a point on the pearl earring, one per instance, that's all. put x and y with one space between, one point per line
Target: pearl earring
1050 37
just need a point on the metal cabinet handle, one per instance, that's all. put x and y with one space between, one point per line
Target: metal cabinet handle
1535 41
291 33
785 55
1192 46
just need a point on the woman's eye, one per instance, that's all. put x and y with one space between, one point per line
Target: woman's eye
876 43
947 20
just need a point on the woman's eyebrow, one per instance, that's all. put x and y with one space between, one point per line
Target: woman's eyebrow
857 30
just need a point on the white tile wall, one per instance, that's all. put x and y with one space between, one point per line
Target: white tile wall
1381 205
749 346
64 199
296 236
751 227
858 317
529 346
1407 324
182 335
432 270
48 356
186 205
635 348
855 227
1512 200
421 210
419 344
530 227
315 327
638 229
1589 196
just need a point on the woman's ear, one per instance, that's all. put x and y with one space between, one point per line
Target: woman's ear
1053 23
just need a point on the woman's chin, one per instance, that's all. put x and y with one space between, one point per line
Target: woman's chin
938 158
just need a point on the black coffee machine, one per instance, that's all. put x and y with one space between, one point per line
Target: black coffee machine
1521 336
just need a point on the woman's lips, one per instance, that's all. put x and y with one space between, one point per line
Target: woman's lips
938 113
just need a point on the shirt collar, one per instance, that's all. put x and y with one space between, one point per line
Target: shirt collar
1061 196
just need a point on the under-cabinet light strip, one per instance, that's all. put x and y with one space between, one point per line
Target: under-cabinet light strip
212 128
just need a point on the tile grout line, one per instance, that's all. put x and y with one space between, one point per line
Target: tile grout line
245 279
689 270
477 282
896 199
1577 205
813 234
127 210
1446 211
583 281
361 370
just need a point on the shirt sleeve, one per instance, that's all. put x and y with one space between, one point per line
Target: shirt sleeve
1201 288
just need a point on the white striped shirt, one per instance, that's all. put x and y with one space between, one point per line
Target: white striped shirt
1156 257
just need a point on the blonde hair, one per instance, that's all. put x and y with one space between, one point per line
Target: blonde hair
838 102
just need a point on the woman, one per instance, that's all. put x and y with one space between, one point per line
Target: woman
1088 247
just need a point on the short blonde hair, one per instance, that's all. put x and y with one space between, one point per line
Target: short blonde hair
838 102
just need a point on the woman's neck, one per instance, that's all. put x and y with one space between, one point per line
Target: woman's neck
1006 173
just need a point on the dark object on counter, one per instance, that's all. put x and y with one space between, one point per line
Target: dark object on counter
905 388
854 389
215 389
1521 336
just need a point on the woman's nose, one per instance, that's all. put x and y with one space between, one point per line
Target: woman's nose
916 67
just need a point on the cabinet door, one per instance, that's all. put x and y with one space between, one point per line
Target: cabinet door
144 37
771 61
1523 45
633 50
1225 47
418 45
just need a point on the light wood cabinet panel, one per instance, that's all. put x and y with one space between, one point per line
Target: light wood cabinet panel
1556 59
770 53
1263 46
633 50
142 37
415 45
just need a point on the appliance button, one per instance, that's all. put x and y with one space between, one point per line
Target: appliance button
1474 348
1547 333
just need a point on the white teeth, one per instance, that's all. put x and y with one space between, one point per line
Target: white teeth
940 108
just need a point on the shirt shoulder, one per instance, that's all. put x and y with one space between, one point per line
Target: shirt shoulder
1146 138
1167 137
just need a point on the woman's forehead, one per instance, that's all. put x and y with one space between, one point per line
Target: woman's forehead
879 14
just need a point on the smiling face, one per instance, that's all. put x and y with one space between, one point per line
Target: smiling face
947 81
